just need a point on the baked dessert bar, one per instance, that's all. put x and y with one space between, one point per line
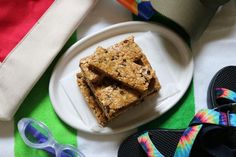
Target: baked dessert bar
127 49
112 97
90 99
123 70
116 79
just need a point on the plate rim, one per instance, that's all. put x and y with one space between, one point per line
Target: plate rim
118 25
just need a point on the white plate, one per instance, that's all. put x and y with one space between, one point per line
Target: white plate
178 65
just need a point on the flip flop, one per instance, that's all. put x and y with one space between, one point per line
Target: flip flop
210 134
222 89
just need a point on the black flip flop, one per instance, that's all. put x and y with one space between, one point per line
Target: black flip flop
210 134
131 147
224 81
216 138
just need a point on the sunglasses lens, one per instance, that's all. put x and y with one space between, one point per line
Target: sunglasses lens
71 153
36 133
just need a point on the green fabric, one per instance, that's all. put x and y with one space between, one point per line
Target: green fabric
37 105
178 117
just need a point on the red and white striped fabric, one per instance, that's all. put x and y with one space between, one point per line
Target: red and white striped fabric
32 32
17 18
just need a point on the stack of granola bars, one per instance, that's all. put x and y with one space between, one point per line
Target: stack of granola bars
115 79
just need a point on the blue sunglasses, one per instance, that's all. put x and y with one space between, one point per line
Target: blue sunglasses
37 135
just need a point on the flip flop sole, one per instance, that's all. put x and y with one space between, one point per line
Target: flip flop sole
224 78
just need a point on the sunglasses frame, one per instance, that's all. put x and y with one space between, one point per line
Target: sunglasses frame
50 144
